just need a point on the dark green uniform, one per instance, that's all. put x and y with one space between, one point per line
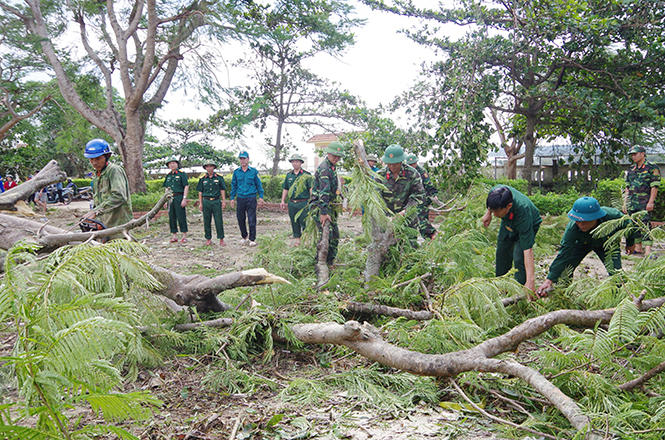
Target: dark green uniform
426 228
111 198
211 190
403 191
177 181
576 244
517 233
325 193
639 181
298 202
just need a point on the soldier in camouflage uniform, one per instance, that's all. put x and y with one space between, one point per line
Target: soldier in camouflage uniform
424 225
111 201
642 182
325 193
404 186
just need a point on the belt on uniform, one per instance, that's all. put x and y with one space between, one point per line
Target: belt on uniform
212 198
299 200
178 194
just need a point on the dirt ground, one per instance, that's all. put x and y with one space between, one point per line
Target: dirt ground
191 411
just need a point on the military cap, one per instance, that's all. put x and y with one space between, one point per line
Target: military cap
411 159
172 159
205 164
296 156
394 154
372 157
243 154
335 148
636 149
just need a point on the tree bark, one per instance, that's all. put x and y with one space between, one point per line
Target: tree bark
379 309
321 268
377 250
186 290
48 175
364 340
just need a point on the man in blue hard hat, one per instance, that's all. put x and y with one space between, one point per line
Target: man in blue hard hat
578 240
112 204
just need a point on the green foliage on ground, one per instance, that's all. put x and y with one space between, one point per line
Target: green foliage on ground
75 333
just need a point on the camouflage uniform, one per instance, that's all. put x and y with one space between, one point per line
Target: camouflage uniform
426 228
111 198
639 181
403 191
325 192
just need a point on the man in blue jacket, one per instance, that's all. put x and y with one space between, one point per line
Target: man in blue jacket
245 184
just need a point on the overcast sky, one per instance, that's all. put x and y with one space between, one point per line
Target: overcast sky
382 64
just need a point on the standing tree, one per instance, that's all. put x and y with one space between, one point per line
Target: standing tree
588 70
141 43
286 92
191 140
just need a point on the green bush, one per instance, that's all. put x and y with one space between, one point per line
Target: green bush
554 204
609 192
80 183
519 184
155 185
145 202
272 187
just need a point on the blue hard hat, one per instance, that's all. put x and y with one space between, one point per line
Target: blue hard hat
96 148
586 209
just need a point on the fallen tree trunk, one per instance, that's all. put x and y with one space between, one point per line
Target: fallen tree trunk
201 291
364 340
14 229
378 309
48 175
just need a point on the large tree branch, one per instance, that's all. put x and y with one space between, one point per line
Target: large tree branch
366 342
15 116
48 175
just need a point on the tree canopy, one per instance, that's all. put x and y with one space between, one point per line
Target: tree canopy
284 91
589 71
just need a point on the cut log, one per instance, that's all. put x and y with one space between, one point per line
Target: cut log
48 175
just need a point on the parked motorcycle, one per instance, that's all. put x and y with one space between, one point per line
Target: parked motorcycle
52 195
84 193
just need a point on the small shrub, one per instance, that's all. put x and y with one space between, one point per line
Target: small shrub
555 204
519 184
145 202
609 192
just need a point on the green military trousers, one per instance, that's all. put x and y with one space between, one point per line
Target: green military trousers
212 209
177 215
297 224
508 250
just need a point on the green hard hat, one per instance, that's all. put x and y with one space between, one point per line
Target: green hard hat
172 159
296 157
411 159
372 157
394 154
335 148
205 164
